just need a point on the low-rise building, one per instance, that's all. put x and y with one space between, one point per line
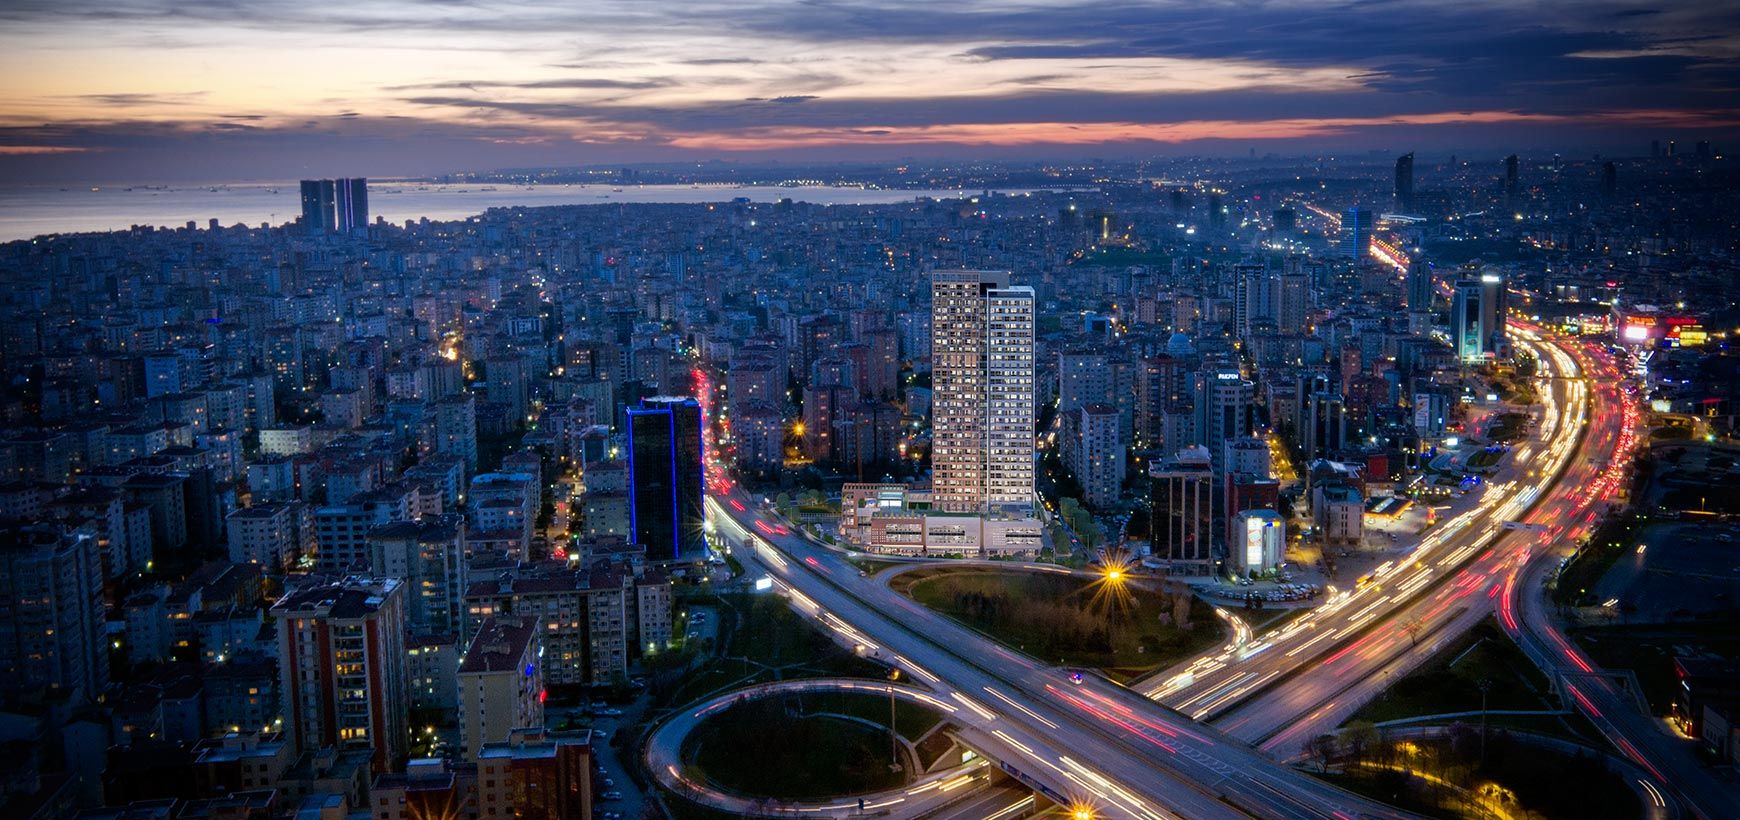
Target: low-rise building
536 775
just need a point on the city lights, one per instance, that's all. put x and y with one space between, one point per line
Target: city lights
918 434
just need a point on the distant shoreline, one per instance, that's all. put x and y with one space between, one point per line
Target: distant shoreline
31 211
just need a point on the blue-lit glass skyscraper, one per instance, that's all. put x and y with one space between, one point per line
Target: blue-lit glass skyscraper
353 204
319 206
1355 233
666 478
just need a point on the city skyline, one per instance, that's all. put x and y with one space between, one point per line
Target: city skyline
1111 410
271 90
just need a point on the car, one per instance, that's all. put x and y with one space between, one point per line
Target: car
607 782
612 795
612 712
1076 677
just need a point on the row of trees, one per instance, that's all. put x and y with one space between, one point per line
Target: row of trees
1465 772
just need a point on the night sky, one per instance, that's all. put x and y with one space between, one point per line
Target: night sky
136 90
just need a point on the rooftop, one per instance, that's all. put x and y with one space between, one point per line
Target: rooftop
500 644
352 597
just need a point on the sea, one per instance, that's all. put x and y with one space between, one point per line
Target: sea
31 211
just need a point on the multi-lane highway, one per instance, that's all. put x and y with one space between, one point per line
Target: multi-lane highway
1321 669
1335 658
1526 616
1087 743
1093 743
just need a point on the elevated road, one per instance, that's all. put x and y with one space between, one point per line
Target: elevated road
1528 618
1098 744
926 794
1089 744
1287 685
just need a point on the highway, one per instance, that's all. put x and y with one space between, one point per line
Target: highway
1090 744
1322 681
1527 617
1336 657
1319 697
1148 762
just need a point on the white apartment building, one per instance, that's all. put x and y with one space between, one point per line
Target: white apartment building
982 436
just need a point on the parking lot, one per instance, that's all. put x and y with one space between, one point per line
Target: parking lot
1681 571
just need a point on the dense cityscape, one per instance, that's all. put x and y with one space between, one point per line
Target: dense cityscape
979 476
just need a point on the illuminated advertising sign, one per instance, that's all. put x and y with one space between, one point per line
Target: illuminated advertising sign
1254 540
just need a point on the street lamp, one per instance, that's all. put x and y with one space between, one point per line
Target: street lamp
893 737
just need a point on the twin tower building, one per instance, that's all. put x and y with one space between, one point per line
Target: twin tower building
982 401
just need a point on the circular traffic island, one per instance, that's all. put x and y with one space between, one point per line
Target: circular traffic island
808 746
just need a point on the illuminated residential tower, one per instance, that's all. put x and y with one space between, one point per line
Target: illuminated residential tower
982 405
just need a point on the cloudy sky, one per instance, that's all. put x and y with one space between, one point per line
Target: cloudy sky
142 90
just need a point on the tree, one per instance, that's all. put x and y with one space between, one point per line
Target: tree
1321 749
1526 365
1360 736
1181 599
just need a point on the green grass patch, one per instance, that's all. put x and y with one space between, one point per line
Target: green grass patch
1451 681
1125 631
1485 459
760 639
872 565
1614 538
1508 427
805 747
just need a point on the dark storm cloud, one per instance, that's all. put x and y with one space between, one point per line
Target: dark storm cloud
147 152
1018 106
1044 63
1452 49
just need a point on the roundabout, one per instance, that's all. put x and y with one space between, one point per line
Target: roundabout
669 747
